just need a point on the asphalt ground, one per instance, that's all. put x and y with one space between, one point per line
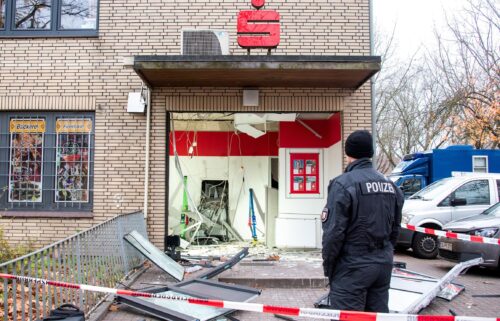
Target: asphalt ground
477 281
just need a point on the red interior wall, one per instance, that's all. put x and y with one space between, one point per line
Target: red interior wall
295 135
290 135
225 144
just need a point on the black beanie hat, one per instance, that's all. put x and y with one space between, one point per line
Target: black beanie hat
359 144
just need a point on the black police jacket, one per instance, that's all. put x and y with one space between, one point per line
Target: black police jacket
362 217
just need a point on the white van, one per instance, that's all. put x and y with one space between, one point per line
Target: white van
446 200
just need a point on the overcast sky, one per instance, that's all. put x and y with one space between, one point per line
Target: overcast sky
414 21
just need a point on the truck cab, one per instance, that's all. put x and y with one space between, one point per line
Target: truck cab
412 174
418 170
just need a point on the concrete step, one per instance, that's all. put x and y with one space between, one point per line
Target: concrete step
280 274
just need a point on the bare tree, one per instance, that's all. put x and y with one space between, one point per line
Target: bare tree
36 14
409 115
468 65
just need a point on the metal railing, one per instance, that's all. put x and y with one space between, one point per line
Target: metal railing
98 256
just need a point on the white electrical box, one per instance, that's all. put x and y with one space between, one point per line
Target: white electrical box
136 103
251 97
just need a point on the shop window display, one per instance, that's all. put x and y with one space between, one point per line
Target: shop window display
26 160
46 163
304 173
72 160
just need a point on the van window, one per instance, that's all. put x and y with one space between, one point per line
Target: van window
432 191
411 186
475 193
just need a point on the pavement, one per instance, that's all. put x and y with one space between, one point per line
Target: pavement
296 280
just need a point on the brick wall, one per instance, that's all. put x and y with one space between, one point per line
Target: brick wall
87 74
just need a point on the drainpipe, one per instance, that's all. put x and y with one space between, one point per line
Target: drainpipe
372 85
167 175
146 162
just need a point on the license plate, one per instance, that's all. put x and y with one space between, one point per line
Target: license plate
446 246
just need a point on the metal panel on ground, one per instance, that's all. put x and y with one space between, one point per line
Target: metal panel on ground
178 310
156 256
410 292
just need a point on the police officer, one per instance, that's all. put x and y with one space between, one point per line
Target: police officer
361 224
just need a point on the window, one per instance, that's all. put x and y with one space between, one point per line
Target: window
411 186
26 159
480 164
304 173
46 162
475 193
2 14
45 18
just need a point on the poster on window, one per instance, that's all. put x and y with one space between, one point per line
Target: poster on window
310 167
72 160
298 166
26 160
311 184
298 184
304 173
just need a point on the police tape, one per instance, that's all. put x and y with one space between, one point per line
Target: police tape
255 307
451 235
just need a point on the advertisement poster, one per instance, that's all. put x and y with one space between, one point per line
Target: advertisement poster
72 160
304 173
310 183
298 166
298 184
310 167
26 160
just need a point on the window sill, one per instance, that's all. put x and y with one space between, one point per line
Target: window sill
49 34
46 214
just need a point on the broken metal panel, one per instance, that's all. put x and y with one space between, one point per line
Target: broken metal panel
427 298
179 310
154 310
156 256
448 293
185 308
398 299
226 265
215 290
411 292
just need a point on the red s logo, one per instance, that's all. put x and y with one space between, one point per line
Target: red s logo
258 29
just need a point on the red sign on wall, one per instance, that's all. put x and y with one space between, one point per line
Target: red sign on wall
304 173
258 28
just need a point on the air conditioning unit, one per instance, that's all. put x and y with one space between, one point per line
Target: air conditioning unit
204 42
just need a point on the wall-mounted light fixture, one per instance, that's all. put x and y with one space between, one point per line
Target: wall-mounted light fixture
137 101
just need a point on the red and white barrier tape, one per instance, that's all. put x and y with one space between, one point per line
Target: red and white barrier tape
457 236
255 307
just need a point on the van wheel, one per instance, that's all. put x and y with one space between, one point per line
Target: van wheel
425 246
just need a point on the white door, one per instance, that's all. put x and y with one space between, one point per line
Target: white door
477 195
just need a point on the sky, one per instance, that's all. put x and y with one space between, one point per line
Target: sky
414 20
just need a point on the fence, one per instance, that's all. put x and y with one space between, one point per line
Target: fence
97 256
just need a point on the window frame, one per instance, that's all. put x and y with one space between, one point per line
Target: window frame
49 207
446 202
485 157
9 30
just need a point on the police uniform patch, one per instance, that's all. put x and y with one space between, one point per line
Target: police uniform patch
377 188
324 215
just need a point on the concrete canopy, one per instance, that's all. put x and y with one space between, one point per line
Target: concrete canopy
257 71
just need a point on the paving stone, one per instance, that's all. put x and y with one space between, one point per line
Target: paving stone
476 281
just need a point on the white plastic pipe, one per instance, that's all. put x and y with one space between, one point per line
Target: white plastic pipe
146 161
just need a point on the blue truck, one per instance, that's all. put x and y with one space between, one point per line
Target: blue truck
421 169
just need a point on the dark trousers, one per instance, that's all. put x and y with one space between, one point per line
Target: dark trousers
360 288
